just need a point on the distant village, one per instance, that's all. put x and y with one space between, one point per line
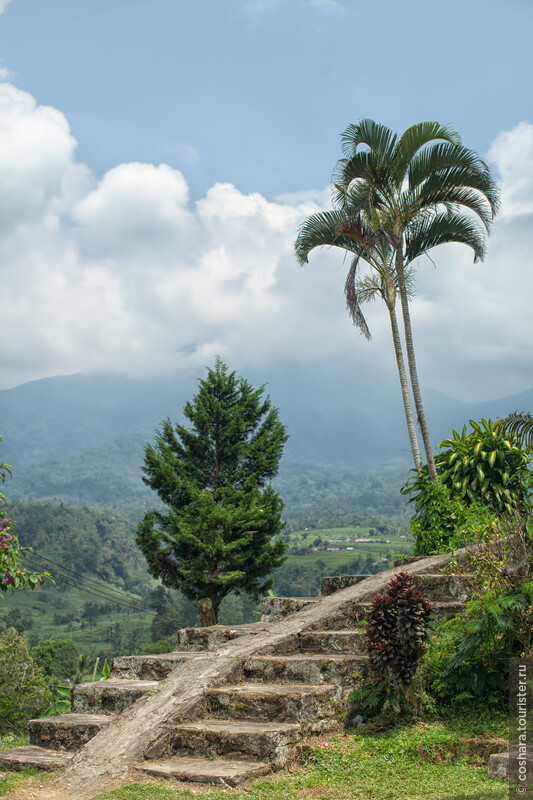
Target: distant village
346 544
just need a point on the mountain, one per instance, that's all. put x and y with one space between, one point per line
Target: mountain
80 438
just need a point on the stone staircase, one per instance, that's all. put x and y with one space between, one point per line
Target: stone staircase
269 685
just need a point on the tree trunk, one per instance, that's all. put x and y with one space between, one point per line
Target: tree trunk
412 366
208 614
405 386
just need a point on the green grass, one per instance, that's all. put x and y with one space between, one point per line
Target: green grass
26 777
423 761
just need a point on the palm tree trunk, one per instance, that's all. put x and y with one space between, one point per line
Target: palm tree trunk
405 386
412 366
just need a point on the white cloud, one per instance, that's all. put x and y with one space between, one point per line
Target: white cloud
3 4
125 274
512 152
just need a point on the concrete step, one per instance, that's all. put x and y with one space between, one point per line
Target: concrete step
435 586
149 668
346 640
196 639
506 765
357 612
108 697
307 668
66 731
265 741
221 772
31 756
275 608
334 583
285 702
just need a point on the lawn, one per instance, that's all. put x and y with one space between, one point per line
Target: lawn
437 760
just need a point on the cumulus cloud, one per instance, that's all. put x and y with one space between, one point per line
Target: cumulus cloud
3 4
125 273
512 152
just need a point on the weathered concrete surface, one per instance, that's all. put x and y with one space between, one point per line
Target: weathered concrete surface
110 696
200 770
335 583
285 702
20 757
264 741
144 729
67 731
307 668
328 641
192 639
147 668
505 765
275 608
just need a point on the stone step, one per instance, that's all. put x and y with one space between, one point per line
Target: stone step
266 741
110 696
355 613
435 586
66 731
334 583
149 668
346 640
307 668
221 772
31 756
505 765
285 702
196 639
275 608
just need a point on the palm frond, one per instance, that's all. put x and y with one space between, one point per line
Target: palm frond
440 190
520 424
372 134
320 230
428 231
418 136
352 301
459 166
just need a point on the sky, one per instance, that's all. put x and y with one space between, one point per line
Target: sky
158 156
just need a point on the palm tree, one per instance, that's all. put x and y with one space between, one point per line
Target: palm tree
520 423
338 229
420 190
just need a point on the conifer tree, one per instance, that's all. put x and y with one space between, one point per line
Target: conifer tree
219 532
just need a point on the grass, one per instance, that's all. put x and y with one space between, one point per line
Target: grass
26 777
422 761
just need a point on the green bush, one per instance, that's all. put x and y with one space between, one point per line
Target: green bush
58 659
480 474
24 692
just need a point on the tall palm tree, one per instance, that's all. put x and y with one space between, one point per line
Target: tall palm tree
420 190
338 228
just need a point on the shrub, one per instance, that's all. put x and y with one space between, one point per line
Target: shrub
24 693
480 474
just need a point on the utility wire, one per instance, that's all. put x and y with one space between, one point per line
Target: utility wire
109 591
89 589
79 575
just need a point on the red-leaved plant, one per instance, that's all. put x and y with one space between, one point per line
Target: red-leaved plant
397 632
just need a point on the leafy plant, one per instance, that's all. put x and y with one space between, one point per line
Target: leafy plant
396 633
60 706
481 474
24 692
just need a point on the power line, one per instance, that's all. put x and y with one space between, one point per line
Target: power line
110 590
96 591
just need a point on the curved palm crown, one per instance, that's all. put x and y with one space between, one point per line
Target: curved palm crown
520 423
420 190
339 228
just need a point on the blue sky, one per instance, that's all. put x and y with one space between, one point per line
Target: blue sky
157 157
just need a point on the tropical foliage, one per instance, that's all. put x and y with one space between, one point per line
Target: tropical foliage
481 473
520 424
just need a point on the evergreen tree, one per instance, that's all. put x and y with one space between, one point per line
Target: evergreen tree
219 532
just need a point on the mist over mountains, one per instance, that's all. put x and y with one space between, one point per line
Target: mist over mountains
81 437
